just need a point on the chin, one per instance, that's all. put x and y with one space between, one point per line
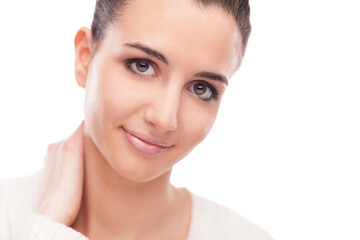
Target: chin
140 173
140 177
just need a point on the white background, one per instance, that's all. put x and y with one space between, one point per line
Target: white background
284 151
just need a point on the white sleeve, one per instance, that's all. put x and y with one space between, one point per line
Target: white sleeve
17 219
4 229
40 227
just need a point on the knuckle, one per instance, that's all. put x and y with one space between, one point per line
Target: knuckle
51 147
69 146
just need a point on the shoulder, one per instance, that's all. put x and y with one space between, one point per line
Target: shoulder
21 191
214 221
18 198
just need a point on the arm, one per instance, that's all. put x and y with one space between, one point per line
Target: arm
46 211
40 227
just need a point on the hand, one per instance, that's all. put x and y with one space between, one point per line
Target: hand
62 179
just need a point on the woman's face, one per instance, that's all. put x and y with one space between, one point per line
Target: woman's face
155 82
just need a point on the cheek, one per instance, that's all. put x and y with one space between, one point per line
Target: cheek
197 120
112 95
106 103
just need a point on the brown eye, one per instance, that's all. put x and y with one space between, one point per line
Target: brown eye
142 66
204 91
200 88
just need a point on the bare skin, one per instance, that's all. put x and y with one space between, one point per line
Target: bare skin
121 181
63 179
153 210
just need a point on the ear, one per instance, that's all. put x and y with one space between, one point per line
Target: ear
83 42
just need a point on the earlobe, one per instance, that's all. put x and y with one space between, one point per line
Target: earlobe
83 42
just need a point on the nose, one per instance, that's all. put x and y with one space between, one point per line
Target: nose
162 112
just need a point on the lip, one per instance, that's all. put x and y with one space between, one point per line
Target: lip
144 143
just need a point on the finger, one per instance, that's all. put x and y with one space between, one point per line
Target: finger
78 134
74 143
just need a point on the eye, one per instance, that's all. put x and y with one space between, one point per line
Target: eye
141 67
204 91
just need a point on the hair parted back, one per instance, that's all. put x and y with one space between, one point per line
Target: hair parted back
106 12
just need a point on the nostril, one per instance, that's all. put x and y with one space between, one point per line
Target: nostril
162 111
162 121
165 124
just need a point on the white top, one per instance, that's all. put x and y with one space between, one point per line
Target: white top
18 199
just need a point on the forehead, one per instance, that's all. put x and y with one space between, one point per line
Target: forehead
185 32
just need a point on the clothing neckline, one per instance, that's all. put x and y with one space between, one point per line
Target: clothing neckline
193 213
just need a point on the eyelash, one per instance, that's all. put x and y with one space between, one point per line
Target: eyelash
128 63
214 92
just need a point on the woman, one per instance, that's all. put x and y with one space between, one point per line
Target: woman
154 74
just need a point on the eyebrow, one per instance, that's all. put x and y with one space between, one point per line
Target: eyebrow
149 51
213 76
161 57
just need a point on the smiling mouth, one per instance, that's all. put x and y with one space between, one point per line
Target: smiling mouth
146 144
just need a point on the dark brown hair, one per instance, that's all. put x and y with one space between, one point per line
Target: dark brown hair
107 10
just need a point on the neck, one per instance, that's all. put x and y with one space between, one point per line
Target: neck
115 206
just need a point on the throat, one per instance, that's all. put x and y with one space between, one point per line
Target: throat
137 220
128 211
113 207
